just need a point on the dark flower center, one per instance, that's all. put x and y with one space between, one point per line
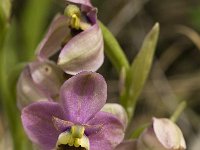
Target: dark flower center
67 147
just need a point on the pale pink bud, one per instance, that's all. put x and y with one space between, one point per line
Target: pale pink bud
163 134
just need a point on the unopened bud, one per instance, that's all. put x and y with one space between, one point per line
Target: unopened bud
163 134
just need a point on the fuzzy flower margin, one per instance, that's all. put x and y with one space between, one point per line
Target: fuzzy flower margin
81 99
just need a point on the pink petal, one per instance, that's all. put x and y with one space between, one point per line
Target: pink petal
84 52
111 133
57 33
83 96
37 122
168 133
82 2
27 91
48 76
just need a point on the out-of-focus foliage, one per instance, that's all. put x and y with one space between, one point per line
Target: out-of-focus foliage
34 20
4 17
5 7
175 73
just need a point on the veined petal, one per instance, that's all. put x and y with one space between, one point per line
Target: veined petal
127 145
111 133
39 81
84 52
83 96
27 91
82 2
37 122
48 76
58 33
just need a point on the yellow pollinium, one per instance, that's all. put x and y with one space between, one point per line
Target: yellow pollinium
74 13
74 137
76 19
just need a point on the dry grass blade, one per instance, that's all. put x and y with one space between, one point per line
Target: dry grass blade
190 33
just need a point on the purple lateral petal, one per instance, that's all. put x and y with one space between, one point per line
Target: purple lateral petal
83 96
82 2
111 133
58 33
127 145
84 52
37 122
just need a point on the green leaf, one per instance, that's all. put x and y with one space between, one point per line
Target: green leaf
34 20
113 50
139 70
180 108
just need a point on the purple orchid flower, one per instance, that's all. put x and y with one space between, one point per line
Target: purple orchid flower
76 122
74 40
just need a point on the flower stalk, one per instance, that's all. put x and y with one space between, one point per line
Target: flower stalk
178 111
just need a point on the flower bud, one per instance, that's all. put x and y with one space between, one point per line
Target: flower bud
163 134
118 111
74 40
39 81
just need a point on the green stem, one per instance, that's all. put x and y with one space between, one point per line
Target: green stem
178 111
137 132
113 50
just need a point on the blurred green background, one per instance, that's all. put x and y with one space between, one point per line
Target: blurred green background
175 75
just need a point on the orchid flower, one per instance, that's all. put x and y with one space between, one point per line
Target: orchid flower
74 40
76 121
